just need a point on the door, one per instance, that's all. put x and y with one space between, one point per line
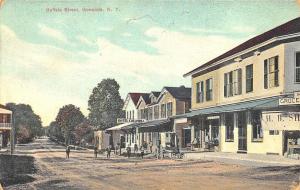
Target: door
122 141
186 137
242 131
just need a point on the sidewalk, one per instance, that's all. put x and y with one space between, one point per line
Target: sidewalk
243 159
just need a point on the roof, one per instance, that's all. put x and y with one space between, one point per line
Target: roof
155 93
4 110
161 125
135 96
118 127
287 28
265 103
146 98
179 92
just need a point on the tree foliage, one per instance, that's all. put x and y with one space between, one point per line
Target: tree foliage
84 133
27 124
105 104
55 132
67 119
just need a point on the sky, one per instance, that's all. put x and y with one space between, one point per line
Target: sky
53 53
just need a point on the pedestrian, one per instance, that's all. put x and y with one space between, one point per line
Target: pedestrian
108 152
142 152
95 151
135 148
116 149
68 150
128 149
150 146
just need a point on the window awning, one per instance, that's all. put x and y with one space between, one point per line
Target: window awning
118 127
161 125
265 103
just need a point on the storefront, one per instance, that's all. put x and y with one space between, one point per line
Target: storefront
258 126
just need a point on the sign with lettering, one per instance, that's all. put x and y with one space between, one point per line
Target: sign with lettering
290 100
281 121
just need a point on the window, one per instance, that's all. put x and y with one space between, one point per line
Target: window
199 92
249 78
233 83
169 109
229 126
273 132
132 114
271 71
163 110
209 89
257 132
297 70
150 113
156 112
187 106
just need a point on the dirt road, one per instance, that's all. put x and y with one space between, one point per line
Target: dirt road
82 171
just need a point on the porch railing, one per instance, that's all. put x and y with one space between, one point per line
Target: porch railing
5 125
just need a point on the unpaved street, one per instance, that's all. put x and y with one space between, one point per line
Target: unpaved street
52 171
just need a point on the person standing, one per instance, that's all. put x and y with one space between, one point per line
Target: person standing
142 152
95 151
135 149
128 149
68 150
150 146
108 152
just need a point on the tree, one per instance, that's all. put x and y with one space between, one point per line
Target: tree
27 124
105 104
84 132
55 132
68 118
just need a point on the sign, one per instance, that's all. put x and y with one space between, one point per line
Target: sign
125 120
290 101
281 121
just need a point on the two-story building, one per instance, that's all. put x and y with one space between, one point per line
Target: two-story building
158 109
5 125
117 134
246 99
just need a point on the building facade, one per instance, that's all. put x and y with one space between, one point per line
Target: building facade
157 110
246 99
5 126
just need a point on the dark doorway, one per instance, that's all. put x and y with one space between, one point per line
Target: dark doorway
122 142
242 131
186 137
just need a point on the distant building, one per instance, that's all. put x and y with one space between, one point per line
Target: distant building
247 99
157 110
117 135
5 125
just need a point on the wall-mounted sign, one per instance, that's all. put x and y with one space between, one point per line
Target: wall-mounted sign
281 121
291 100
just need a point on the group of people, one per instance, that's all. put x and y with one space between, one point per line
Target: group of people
108 150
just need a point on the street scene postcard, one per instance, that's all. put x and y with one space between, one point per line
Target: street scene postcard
149 95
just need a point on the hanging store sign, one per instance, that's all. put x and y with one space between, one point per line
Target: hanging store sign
291 100
281 121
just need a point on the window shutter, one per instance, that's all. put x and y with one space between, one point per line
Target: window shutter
240 81
266 74
276 71
197 92
225 84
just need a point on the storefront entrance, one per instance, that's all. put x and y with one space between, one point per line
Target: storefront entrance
242 131
122 141
186 137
